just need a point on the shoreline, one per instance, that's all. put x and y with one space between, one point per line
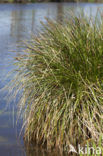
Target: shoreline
39 1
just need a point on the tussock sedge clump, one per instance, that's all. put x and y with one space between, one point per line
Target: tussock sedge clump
61 78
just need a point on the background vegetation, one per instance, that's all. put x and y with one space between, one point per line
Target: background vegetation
25 1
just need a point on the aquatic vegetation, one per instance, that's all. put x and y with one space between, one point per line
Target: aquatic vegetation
60 75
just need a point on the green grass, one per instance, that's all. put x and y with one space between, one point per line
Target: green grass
61 78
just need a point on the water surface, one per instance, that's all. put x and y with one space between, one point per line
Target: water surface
17 23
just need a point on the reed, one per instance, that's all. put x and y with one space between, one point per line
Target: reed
60 75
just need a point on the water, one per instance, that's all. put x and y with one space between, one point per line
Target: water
17 22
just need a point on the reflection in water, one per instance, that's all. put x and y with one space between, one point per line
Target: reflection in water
33 21
3 139
60 13
38 151
17 22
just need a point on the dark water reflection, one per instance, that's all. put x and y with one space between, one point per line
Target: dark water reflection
17 22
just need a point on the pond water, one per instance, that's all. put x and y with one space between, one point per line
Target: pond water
17 23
